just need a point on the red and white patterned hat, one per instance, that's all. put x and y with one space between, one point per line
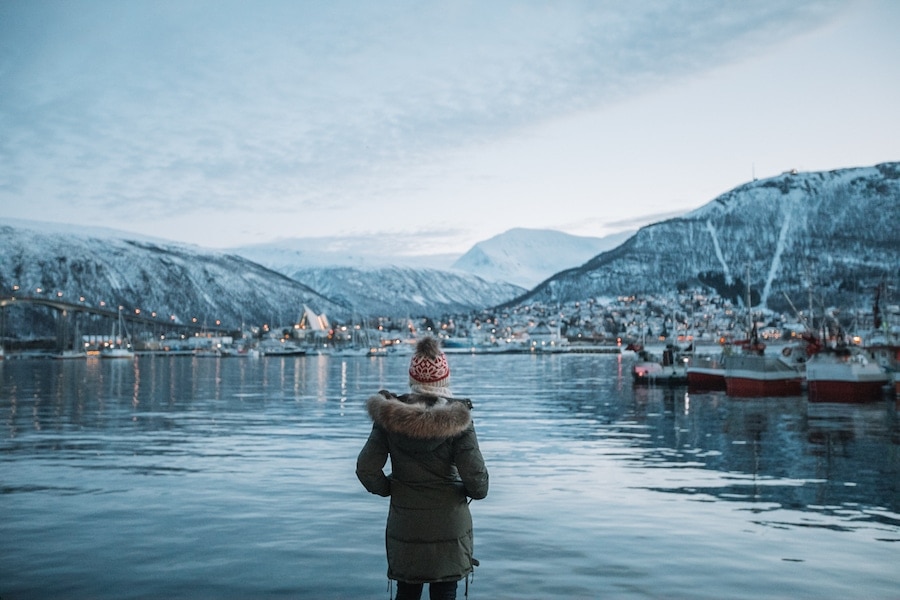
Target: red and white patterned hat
428 366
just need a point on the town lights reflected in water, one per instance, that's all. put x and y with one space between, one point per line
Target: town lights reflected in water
191 477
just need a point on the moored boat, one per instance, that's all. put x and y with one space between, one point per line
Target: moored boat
119 345
281 349
116 352
754 373
706 372
844 374
669 369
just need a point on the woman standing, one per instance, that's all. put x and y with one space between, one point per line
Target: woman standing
436 466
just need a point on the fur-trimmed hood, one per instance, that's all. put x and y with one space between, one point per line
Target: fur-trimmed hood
420 416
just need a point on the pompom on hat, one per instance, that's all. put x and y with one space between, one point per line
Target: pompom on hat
429 371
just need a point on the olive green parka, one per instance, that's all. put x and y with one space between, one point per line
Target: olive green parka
436 466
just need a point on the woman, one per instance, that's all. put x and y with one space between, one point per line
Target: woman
436 465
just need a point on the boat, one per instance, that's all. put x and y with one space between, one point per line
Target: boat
116 352
706 372
844 374
752 372
119 345
283 348
668 369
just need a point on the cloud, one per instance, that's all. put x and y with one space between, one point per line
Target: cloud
290 106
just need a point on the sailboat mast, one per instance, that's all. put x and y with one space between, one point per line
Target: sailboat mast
749 309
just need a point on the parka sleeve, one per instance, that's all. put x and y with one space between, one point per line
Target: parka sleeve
470 464
370 463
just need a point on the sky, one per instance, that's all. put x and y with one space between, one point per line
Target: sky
412 127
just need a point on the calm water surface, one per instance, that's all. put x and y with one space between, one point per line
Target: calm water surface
179 477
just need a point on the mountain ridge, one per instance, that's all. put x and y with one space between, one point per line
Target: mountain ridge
527 257
793 232
826 234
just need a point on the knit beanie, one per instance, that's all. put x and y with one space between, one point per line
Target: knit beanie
429 372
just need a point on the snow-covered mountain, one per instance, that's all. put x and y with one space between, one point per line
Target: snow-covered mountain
288 255
522 257
390 285
527 257
832 233
168 278
398 291
120 268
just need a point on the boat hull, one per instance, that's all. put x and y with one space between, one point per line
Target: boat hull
845 378
706 378
651 373
749 387
761 375
116 353
661 379
825 390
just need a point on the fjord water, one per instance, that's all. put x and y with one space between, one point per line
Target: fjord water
180 477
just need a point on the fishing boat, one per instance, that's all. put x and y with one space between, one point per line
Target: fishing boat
752 372
844 374
706 372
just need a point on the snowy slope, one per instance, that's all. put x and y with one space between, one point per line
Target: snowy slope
522 257
398 291
526 257
119 268
835 231
288 255
168 278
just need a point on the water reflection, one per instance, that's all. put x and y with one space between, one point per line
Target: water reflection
777 453
770 450
594 482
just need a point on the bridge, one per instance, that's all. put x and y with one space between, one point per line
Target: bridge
67 326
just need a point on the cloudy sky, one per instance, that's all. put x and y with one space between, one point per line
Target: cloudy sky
425 127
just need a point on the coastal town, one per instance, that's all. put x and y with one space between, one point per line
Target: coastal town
676 340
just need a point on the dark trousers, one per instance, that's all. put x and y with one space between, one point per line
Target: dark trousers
445 590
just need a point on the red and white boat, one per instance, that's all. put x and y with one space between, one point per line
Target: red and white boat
844 374
753 373
706 372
